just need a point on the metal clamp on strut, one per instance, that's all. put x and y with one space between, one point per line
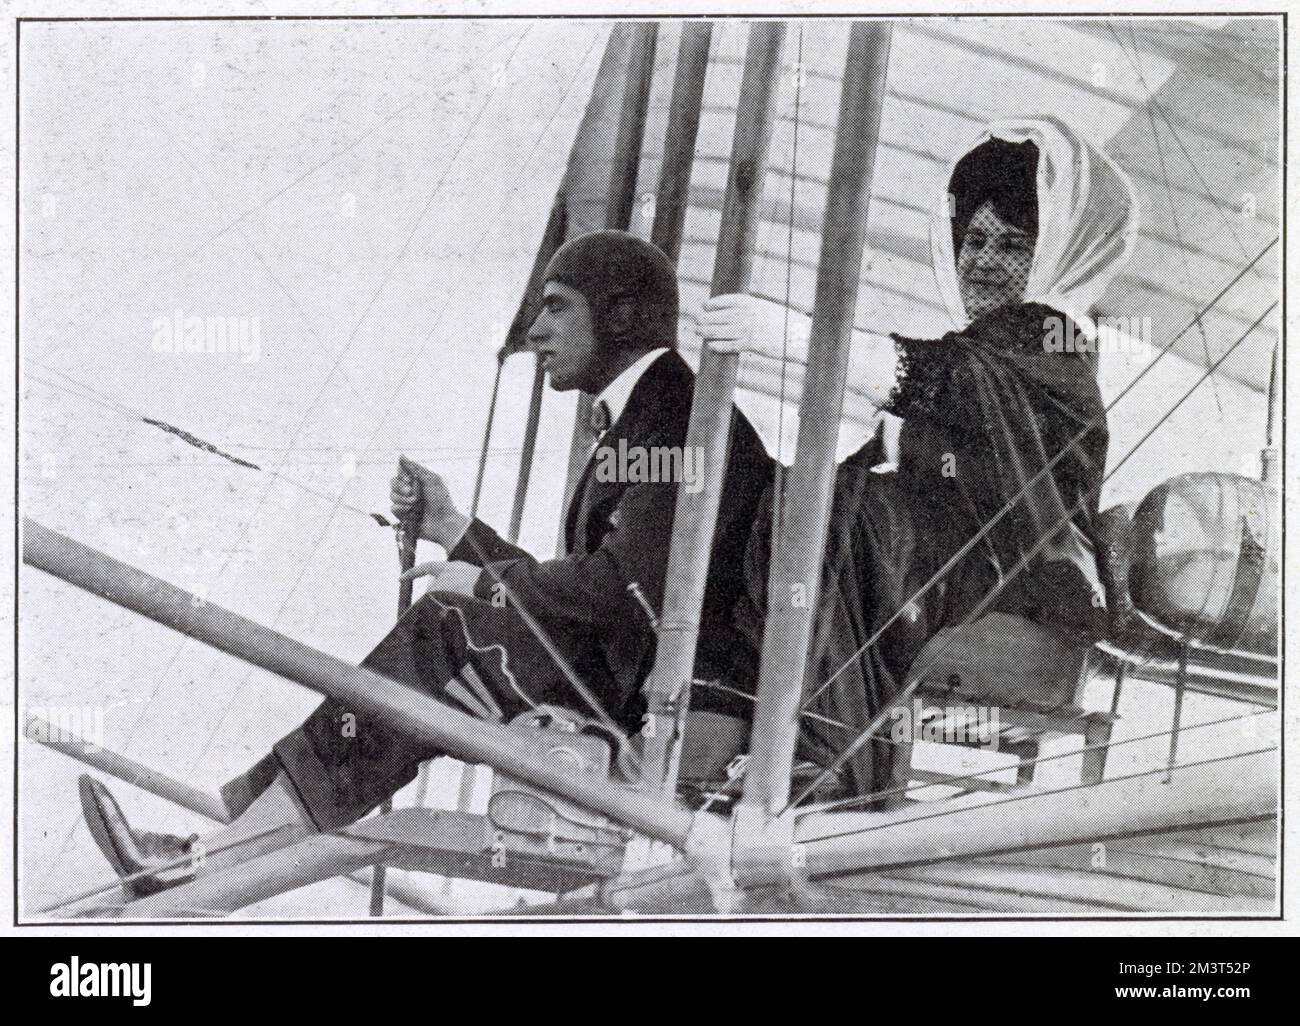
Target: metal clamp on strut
763 852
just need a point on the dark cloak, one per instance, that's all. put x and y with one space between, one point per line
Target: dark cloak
984 410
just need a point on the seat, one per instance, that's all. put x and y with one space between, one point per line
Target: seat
713 759
1017 681
711 743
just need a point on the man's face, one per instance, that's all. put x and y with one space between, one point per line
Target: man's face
993 266
563 338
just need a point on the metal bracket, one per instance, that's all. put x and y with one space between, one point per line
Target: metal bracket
763 852
469 847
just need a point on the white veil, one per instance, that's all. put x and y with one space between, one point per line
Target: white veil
1087 228
1087 220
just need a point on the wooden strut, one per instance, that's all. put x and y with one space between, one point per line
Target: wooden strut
531 426
667 688
408 537
680 137
799 549
660 760
1270 456
401 707
1180 688
844 845
517 341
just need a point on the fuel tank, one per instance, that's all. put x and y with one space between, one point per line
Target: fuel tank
1206 551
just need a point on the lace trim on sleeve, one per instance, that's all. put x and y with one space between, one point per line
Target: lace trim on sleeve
921 378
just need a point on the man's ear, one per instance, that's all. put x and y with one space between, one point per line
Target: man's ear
620 317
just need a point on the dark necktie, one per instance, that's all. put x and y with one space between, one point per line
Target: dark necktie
600 418
598 421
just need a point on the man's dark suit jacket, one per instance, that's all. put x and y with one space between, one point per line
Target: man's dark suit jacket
618 533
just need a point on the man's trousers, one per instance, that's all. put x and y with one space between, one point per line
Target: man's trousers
343 763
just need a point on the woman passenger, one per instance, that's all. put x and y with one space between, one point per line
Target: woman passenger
1033 225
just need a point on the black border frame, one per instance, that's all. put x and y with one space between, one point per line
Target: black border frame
432 921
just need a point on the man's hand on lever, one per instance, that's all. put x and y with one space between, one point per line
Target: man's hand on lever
452 576
441 522
739 323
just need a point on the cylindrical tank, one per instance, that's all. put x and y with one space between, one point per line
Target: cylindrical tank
1206 550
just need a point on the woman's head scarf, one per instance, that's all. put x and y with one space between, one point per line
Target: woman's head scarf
1087 212
1087 220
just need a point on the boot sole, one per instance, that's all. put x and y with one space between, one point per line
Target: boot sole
99 830
103 837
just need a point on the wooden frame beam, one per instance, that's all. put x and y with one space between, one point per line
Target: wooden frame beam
397 705
799 550
667 688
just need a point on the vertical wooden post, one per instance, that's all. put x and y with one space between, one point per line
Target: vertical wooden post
667 688
1175 728
805 508
631 124
408 536
526 455
680 137
1269 458
486 447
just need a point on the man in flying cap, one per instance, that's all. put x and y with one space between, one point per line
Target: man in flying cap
608 326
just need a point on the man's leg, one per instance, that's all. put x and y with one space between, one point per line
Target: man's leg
341 764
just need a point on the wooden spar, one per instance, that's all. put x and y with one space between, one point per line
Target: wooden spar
625 163
408 536
667 688
209 806
531 425
842 844
486 448
401 707
805 507
680 137
1226 790
626 158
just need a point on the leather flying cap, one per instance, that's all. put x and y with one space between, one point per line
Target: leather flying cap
608 266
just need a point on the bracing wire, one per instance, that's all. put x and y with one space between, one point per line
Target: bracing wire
97 398
1154 106
153 871
1169 197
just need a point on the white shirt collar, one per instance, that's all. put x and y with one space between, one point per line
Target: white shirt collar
618 391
